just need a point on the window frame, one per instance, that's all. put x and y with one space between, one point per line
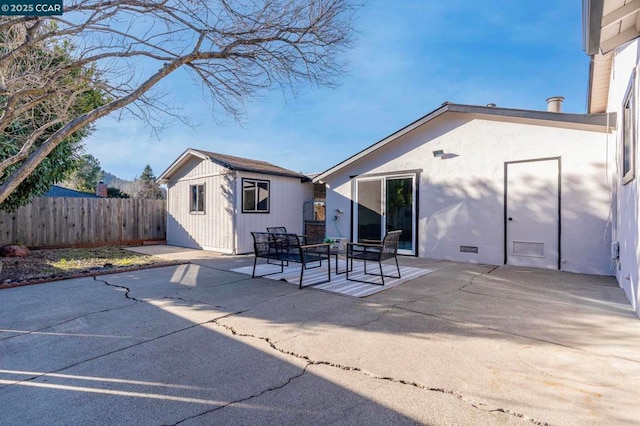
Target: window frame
197 201
256 191
629 132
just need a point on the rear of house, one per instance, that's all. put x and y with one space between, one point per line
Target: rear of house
611 39
483 184
214 201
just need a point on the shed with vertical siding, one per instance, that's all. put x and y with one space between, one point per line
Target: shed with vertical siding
215 200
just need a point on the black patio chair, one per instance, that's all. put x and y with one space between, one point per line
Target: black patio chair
374 252
283 230
277 229
283 248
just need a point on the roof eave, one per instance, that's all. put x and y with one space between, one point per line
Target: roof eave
592 11
165 176
269 173
599 120
430 116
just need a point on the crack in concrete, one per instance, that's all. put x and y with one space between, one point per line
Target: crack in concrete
473 278
83 315
239 401
128 290
417 385
66 321
520 416
295 336
462 288
307 359
378 318
75 364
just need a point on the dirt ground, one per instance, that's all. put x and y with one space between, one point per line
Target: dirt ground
61 263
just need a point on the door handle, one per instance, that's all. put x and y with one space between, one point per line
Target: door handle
510 219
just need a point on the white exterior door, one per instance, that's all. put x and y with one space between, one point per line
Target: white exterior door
532 220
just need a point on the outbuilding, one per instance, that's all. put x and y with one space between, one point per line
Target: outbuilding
484 184
214 201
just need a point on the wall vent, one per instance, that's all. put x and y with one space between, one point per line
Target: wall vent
528 248
468 249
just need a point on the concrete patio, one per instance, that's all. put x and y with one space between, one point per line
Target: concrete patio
197 344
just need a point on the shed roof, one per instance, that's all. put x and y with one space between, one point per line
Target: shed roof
587 121
230 162
59 191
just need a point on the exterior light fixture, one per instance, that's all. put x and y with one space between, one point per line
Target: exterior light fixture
438 153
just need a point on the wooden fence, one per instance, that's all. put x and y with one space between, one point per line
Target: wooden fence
69 222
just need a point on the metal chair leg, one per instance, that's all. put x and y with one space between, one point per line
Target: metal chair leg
253 274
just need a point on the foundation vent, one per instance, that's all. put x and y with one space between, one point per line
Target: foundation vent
468 249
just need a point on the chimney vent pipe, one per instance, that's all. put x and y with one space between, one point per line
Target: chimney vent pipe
554 104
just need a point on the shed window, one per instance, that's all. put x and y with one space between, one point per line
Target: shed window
197 198
255 196
629 134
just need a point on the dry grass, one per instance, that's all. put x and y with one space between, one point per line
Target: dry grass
60 263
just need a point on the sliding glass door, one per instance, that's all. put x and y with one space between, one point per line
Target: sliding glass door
399 210
386 204
369 210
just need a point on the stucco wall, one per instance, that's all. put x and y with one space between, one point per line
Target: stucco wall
626 225
461 197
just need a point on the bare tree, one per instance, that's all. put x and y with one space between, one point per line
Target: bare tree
233 48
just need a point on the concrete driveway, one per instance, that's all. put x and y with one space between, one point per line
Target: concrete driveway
197 344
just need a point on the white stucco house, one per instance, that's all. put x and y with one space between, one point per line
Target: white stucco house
610 32
214 201
465 183
484 184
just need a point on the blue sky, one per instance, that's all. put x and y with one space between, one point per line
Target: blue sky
410 56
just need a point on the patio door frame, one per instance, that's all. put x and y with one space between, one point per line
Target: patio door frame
383 178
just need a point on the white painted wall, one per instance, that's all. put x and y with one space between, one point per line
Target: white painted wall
212 230
288 196
461 198
626 224
215 229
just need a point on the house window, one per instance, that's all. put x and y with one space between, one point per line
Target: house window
629 134
255 196
197 198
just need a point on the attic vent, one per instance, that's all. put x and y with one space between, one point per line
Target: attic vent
468 249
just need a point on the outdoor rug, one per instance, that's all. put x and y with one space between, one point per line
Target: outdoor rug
339 283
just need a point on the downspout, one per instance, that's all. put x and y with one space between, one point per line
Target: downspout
234 215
